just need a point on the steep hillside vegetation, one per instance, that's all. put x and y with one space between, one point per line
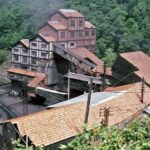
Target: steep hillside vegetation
21 18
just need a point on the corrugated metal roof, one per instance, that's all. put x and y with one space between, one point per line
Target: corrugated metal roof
96 98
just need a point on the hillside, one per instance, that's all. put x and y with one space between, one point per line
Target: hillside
121 25
20 19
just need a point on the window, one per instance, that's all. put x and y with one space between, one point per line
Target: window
80 34
93 33
43 45
62 35
25 51
43 54
42 69
16 50
72 34
86 33
33 53
72 44
33 61
72 23
34 44
24 59
16 58
80 23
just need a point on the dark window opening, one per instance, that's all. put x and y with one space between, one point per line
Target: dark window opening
93 32
81 23
16 50
43 54
24 59
86 33
72 34
25 51
33 53
72 44
16 57
80 34
43 45
33 61
72 23
34 44
63 35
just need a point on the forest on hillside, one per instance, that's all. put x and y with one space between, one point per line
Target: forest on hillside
122 25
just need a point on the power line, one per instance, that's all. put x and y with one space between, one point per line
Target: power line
123 78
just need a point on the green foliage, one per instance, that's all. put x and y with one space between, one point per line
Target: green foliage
122 25
21 18
18 146
3 55
136 136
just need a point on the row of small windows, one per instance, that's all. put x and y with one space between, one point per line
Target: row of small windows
33 53
72 33
72 23
25 59
42 45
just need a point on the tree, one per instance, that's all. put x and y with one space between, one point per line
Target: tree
3 56
21 19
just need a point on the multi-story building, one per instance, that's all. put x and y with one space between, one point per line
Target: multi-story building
66 42
67 28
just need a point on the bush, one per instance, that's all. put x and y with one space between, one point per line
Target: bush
3 55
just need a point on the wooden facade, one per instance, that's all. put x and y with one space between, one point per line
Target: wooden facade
123 72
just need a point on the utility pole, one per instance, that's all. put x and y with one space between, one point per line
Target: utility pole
68 88
142 91
104 76
105 120
88 102
27 141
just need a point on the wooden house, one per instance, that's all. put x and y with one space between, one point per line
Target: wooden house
130 68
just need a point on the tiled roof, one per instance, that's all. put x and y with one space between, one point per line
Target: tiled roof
25 42
141 61
37 77
89 25
86 54
53 125
47 38
70 13
57 25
